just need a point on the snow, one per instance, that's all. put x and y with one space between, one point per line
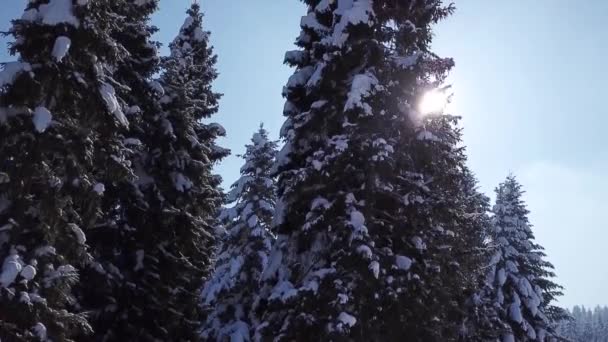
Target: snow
108 94
139 260
187 24
284 290
240 332
324 5
61 48
364 251
316 77
199 35
427 136
58 12
342 298
132 142
10 270
295 56
99 188
80 236
42 119
274 262
407 61
236 264
403 262
374 266
300 77
357 220
531 333
252 221
219 129
157 87
46 250
515 312
25 298
352 13
11 70
30 15
362 86
340 142
310 21
28 272
181 182
40 329
508 338
317 165
347 319
319 202
501 277
418 243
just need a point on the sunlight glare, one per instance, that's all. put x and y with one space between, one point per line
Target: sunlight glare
433 102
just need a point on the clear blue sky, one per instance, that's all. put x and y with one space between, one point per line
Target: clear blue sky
529 84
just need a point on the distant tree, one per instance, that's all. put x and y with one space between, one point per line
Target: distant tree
230 294
523 289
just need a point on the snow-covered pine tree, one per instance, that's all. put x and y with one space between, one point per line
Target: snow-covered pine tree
160 245
229 296
109 285
62 143
479 320
184 195
523 289
366 218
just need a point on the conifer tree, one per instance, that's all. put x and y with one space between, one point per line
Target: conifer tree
231 292
163 222
366 218
62 143
109 285
523 289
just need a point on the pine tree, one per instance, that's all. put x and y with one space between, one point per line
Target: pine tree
109 285
231 292
523 288
367 220
62 143
480 320
162 225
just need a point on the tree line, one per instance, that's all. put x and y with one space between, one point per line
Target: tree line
365 225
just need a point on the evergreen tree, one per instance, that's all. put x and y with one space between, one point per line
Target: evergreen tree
584 325
367 221
109 287
230 294
523 290
160 245
63 143
480 320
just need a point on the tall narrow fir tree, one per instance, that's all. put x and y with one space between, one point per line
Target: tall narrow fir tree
231 293
523 289
159 247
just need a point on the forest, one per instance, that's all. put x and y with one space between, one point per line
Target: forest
363 222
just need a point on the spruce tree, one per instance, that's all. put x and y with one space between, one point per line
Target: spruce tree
230 294
159 247
367 220
109 285
63 144
523 289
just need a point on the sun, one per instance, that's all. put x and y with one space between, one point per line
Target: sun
433 102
